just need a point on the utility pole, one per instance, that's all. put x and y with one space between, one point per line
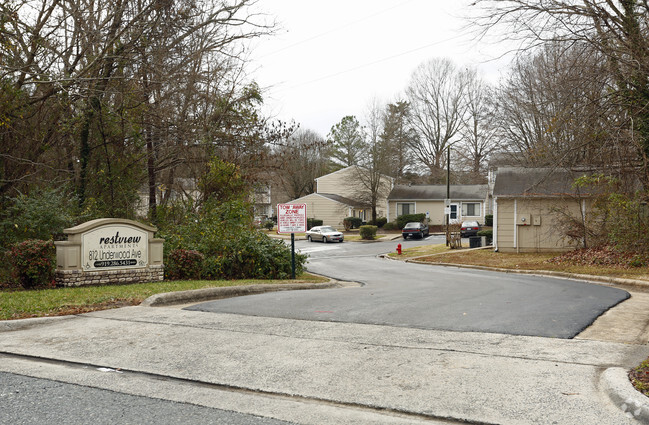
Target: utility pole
448 194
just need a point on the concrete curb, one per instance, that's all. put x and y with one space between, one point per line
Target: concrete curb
20 324
197 295
615 383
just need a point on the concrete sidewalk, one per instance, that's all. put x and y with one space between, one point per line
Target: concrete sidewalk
328 373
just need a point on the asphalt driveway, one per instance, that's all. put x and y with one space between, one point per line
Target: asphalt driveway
430 297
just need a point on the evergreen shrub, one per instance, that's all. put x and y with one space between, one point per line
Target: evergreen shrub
352 223
368 232
33 262
182 264
402 220
312 222
380 222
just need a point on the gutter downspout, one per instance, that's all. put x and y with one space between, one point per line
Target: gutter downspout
516 226
495 224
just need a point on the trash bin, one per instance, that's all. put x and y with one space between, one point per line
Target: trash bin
475 242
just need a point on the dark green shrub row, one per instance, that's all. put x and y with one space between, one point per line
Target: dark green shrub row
402 220
184 264
33 262
367 232
352 223
390 226
232 248
489 220
380 222
312 222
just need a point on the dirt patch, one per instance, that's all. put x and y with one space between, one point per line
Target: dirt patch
67 310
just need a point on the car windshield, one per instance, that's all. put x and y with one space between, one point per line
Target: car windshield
412 225
327 229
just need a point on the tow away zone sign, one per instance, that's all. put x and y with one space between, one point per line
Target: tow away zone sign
291 218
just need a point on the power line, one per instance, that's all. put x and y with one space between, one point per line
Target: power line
367 64
306 40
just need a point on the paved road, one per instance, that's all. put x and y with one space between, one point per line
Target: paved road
430 297
180 366
25 400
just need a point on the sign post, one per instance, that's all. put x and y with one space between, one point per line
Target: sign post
291 218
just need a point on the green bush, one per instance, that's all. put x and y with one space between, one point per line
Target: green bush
402 220
253 256
269 224
352 222
184 264
489 220
312 222
368 232
41 214
380 222
233 248
390 226
488 234
33 262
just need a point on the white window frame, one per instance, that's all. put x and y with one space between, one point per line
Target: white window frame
475 215
414 207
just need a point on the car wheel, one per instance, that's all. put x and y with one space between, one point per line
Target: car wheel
324 239
405 236
308 238
421 235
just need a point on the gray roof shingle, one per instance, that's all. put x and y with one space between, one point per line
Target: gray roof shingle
518 181
438 192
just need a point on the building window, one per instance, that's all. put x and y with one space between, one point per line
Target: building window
405 208
471 209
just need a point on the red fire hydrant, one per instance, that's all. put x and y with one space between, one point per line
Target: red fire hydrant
399 249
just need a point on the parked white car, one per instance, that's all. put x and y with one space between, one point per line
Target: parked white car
324 234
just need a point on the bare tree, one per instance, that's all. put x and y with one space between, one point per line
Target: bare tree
616 29
398 137
436 94
374 183
478 131
126 86
301 160
555 109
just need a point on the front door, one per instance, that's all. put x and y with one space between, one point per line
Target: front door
454 212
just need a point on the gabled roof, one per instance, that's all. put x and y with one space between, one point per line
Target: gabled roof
343 200
342 170
438 192
538 182
336 198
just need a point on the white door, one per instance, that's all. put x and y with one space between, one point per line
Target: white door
454 212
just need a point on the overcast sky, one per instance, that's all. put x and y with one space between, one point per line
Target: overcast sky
330 58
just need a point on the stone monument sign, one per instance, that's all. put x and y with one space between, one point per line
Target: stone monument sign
109 250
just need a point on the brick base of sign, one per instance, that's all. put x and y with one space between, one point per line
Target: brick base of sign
109 277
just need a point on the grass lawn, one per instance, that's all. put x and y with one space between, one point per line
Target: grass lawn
20 304
513 261
419 251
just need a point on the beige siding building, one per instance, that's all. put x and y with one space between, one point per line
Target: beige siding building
467 202
331 209
344 193
528 204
